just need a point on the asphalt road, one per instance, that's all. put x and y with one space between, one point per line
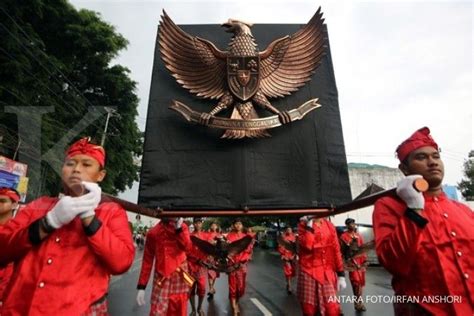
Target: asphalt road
266 293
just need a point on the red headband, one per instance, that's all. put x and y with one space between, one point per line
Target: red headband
12 194
420 138
84 147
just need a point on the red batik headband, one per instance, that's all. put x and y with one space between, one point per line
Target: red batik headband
420 138
12 194
84 147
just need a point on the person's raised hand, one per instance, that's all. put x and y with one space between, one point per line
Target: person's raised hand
407 192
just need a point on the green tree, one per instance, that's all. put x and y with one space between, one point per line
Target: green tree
466 186
54 55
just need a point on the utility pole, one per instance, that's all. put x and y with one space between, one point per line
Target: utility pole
110 112
17 147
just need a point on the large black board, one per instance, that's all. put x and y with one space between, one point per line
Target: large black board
303 164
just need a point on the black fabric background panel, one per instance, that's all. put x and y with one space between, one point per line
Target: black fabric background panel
185 166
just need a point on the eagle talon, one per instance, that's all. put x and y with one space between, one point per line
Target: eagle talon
205 118
284 117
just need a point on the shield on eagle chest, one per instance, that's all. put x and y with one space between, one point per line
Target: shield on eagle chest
243 76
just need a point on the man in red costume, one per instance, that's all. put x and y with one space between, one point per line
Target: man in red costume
249 231
321 272
8 204
66 248
238 265
288 257
166 244
426 240
212 275
197 270
357 264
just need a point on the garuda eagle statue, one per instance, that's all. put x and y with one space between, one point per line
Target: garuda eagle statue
221 251
242 77
352 251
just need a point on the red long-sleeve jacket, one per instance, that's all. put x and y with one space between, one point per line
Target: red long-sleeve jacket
319 251
212 235
428 255
5 275
347 237
285 253
67 271
244 256
167 247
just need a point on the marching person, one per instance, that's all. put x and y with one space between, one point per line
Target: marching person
321 272
238 271
9 199
249 231
197 269
288 257
212 275
166 244
65 249
425 240
352 239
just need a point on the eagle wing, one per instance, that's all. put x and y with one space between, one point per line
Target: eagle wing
204 246
239 245
197 64
288 245
364 248
289 62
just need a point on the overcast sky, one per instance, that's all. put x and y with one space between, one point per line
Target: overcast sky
399 65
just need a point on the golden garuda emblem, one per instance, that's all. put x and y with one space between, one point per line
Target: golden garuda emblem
242 77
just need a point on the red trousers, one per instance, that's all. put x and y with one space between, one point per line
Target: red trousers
289 269
199 287
237 282
332 309
357 277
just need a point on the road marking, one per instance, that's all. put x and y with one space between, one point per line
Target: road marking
260 306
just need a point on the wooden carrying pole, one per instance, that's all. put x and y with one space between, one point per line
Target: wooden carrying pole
420 185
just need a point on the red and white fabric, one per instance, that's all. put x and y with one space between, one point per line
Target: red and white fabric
68 270
434 260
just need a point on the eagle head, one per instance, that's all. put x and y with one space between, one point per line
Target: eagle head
237 27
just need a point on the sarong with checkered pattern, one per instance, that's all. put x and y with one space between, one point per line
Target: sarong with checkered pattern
314 293
172 288
100 308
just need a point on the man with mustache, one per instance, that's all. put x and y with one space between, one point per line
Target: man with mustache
356 276
425 240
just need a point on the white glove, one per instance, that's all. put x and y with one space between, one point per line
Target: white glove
179 222
68 208
341 283
95 194
307 220
141 297
409 194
